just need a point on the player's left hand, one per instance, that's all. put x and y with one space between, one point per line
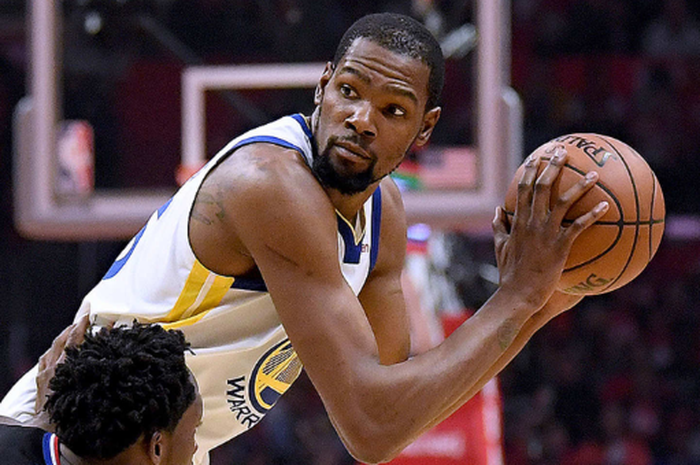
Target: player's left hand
71 336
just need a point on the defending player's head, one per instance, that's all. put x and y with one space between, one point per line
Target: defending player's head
126 390
376 99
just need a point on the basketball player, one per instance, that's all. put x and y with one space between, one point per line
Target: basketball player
287 248
124 395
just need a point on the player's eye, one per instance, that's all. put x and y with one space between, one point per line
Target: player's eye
347 91
395 110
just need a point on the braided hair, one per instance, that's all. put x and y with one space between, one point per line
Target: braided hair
119 385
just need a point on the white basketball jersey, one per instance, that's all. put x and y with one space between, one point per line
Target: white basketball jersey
242 358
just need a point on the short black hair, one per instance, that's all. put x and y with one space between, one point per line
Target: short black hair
120 384
403 35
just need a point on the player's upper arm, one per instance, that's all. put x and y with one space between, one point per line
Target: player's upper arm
289 226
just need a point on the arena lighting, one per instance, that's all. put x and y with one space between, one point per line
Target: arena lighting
42 213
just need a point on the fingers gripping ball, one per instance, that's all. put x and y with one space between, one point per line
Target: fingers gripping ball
615 249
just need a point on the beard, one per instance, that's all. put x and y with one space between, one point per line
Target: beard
347 183
330 176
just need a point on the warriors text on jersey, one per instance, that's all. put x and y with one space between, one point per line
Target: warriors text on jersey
242 358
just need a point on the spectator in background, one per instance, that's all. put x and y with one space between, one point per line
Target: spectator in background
665 127
674 34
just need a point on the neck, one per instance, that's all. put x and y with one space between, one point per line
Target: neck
68 457
135 453
349 205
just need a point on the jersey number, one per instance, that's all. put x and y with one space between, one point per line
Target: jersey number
120 262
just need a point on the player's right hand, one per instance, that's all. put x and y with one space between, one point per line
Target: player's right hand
531 251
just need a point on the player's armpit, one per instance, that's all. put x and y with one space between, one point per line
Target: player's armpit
9 421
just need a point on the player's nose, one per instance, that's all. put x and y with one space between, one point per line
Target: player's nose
361 120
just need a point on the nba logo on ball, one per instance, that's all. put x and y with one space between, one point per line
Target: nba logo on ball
617 248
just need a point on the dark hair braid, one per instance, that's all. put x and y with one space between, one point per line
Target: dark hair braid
120 384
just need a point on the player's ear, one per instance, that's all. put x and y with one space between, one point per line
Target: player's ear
430 119
322 82
156 448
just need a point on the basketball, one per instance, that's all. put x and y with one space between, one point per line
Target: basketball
617 248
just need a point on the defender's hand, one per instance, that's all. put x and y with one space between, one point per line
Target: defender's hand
71 336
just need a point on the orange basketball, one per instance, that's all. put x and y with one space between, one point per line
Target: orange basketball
614 250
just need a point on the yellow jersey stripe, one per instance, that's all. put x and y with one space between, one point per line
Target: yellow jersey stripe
186 322
202 291
361 225
216 292
194 308
190 291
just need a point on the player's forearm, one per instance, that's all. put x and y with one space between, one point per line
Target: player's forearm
393 405
558 304
531 326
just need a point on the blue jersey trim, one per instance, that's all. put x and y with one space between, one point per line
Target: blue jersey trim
269 140
119 264
376 226
164 207
302 122
46 447
249 284
352 251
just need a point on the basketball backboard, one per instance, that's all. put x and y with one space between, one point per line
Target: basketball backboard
482 171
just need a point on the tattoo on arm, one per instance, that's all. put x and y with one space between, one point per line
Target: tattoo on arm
208 207
506 333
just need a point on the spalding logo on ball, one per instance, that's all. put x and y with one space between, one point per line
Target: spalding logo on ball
615 249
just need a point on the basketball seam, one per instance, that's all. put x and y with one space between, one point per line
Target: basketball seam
619 223
636 204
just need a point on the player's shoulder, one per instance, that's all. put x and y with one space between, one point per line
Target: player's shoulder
393 213
20 444
277 185
265 171
261 162
393 227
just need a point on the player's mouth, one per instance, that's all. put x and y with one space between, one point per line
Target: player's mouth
350 150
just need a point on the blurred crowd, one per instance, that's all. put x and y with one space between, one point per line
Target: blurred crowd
627 68
614 382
